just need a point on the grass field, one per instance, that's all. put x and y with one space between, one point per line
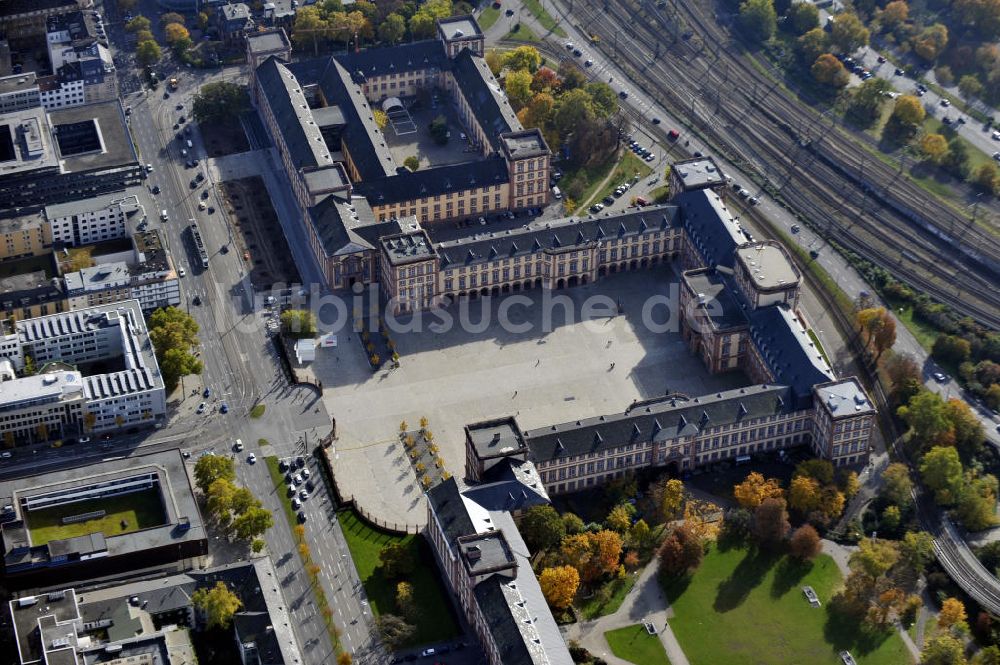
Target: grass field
627 168
257 411
549 23
435 622
139 510
744 607
488 17
591 608
523 33
637 646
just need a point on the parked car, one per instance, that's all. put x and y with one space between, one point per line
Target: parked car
202 407
251 458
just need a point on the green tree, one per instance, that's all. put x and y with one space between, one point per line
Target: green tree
395 631
221 101
517 85
147 52
988 656
639 534
891 518
670 498
894 14
253 523
941 471
603 99
219 500
987 178
542 528
218 604
908 111
257 546
970 87
210 468
523 57
916 550
620 517
943 649
438 129
300 323
867 100
927 416
848 32
874 557
820 470
976 508
138 24
397 560
392 29
951 348
175 363
812 45
572 523
758 19
412 162
310 29
898 486
171 17
802 17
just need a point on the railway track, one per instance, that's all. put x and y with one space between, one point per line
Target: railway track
800 156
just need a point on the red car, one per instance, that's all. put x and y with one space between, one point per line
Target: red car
673 134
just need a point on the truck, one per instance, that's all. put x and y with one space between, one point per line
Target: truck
173 83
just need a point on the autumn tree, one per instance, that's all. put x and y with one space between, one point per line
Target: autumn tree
545 79
217 603
171 17
681 552
916 550
966 428
147 52
941 471
542 527
138 24
987 178
927 416
174 32
755 489
405 601
252 523
559 585
951 348
310 28
931 42
830 71
820 470
620 517
669 497
758 19
804 494
805 543
771 523
894 14
933 147
517 85
593 554
952 613
523 57
394 629
976 505
639 534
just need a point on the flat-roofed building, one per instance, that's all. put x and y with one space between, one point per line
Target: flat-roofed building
94 219
262 45
31 293
27 234
19 92
172 535
765 274
41 407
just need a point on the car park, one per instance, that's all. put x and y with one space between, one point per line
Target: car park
570 46
291 490
796 228
297 479
899 72
743 193
656 121
623 94
305 473
881 59
196 301
754 200
996 156
201 205
428 652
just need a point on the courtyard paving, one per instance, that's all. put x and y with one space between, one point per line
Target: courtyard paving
457 377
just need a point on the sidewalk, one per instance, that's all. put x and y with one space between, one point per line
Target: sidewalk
645 602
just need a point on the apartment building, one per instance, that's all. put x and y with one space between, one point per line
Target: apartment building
83 70
41 407
19 92
31 291
129 393
23 21
23 236
92 220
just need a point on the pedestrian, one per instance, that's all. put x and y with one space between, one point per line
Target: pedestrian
612 365
538 362
515 394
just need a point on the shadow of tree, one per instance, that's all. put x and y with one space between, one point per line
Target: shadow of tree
788 574
674 587
844 631
745 577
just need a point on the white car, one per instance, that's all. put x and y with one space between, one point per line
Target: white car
202 407
149 168
996 135
201 205
251 458
181 272
238 446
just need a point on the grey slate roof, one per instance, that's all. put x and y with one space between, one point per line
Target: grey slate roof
788 351
343 226
407 186
446 501
485 96
402 58
284 93
556 236
716 242
657 420
363 138
724 307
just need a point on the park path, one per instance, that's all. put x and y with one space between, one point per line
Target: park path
645 602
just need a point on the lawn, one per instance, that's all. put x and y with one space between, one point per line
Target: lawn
436 622
637 646
139 510
744 607
924 333
257 411
594 607
627 168
543 17
523 33
488 17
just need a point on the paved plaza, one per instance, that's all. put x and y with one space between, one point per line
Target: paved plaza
457 377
